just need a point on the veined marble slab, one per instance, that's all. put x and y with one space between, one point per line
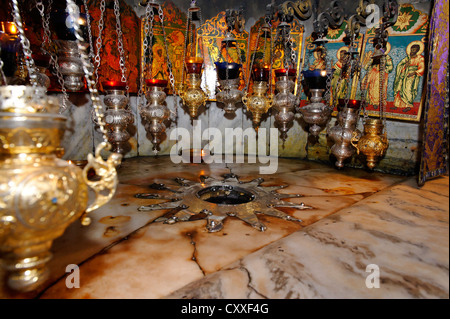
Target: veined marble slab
402 231
124 253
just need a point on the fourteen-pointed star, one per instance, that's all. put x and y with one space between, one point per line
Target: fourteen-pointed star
215 200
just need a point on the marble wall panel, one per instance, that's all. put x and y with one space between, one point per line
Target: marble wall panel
78 140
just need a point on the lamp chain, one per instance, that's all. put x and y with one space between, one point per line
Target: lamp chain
120 48
45 47
25 43
98 43
87 67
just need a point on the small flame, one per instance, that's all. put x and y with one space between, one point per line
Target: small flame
12 28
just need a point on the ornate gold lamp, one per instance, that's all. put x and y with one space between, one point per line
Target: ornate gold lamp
258 102
41 194
190 91
192 94
374 143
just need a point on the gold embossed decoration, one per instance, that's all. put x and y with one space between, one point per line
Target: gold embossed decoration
41 194
373 144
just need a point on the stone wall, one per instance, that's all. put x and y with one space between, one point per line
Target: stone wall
402 157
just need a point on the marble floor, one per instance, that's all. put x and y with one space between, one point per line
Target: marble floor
357 225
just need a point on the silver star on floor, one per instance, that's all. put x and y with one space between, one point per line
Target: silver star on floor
191 201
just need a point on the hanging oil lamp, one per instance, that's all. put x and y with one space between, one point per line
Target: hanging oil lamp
228 78
345 130
153 108
69 59
42 62
9 50
192 94
156 111
117 116
40 194
374 143
349 108
190 90
285 101
258 102
316 113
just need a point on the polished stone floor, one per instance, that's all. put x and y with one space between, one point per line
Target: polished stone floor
356 224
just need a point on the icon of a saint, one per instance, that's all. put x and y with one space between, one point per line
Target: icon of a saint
372 77
407 76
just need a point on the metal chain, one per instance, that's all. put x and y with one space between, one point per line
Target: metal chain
25 44
169 63
45 47
291 47
253 59
1 70
364 99
141 97
87 67
189 18
150 45
329 98
240 61
272 59
120 48
45 25
89 27
97 58
382 91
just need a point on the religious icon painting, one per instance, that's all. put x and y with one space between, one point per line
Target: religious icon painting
335 53
269 50
405 69
173 42
109 54
212 49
